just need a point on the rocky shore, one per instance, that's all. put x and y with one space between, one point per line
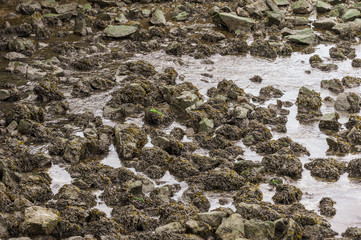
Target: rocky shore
105 134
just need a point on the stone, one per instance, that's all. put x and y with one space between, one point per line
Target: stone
298 21
14 56
347 27
273 5
325 23
275 17
40 221
323 7
309 104
354 168
334 85
329 121
157 18
287 194
65 8
25 46
351 14
186 99
181 16
120 31
306 37
206 125
352 233
233 22
289 228
301 7
348 101
173 227
356 62
213 219
282 3
24 126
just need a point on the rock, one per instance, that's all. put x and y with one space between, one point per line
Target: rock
326 207
301 7
181 17
236 227
14 56
206 125
348 101
173 227
352 233
262 48
351 82
39 220
288 229
256 79
329 122
273 5
22 45
233 22
157 18
198 228
323 7
282 2
347 27
298 21
174 48
284 165
305 36
287 194
186 99
337 146
342 51
213 218
328 169
275 17
65 8
356 62
354 168
309 104
351 14
120 31
213 36
325 23
334 85
129 139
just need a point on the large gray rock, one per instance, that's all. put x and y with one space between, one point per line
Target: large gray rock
13 56
330 121
301 7
348 101
344 28
325 23
306 36
40 221
233 22
173 227
120 31
351 14
129 139
25 46
157 18
206 125
323 7
213 219
236 227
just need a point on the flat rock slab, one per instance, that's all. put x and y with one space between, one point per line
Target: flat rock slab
120 31
39 220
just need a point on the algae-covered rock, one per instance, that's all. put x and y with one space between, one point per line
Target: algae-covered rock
287 194
233 22
328 169
349 102
120 31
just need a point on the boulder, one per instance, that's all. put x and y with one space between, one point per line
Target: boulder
213 218
287 194
326 207
206 125
323 7
351 14
173 227
356 62
325 23
275 17
309 105
233 22
354 168
328 169
334 85
40 221
348 101
283 164
120 31
329 122
305 36
157 18
301 7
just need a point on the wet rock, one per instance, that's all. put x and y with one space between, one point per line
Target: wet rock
157 18
287 228
318 231
346 29
182 168
160 115
174 48
199 228
305 36
173 227
354 168
270 92
337 146
173 212
186 99
301 7
256 132
275 17
213 218
334 85
206 125
351 14
28 8
129 139
213 36
196 197
328 169
14 56
329 121
70 195
248 194
342 51
236 226
308 104
317 62
356 62
233 22
47 90
262 49
352 233
284 165
256 79
75 150
287 194
283 145
39 220
231 132
22 45
323 7
120 31
326 207
349 102
325 23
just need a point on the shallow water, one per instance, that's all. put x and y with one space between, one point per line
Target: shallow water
59 177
